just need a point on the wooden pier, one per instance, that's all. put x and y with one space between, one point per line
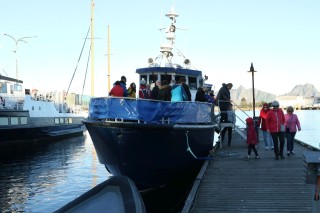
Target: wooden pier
231 183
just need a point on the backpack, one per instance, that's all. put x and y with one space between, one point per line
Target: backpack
178 93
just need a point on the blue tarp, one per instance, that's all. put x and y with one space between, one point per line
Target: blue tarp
149 111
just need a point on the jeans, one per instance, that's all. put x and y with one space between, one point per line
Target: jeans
267 138
290 140
278 137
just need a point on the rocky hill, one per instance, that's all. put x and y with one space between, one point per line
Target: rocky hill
306 90
242 94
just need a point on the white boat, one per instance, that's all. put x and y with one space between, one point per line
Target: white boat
26 116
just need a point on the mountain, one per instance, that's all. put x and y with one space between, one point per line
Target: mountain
306 90
242 94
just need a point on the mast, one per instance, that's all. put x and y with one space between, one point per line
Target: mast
92 48
108 58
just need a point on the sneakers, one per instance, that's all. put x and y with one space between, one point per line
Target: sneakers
292 153
248 157
288 153
267 147
272 148
258 157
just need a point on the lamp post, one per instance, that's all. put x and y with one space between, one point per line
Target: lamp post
16 41
253 96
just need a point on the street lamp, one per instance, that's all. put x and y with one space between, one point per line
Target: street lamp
16 41
253 96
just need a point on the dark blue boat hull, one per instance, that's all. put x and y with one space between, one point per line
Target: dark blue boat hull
151 155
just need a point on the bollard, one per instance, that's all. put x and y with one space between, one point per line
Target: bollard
312 176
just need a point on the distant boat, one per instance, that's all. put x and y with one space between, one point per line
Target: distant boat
117 194
154 142
27 116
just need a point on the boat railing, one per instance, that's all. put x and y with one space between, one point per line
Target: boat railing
12 103
149 111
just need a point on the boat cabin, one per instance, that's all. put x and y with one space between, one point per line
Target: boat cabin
151 74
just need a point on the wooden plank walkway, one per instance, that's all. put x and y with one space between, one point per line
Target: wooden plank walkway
231 183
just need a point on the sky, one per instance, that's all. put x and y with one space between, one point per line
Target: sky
223 38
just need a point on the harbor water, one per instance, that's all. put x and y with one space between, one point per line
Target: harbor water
45 177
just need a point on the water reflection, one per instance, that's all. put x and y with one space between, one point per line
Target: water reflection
44 177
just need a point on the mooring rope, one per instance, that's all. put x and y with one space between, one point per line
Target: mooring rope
189 150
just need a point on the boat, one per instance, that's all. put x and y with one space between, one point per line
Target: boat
116 194
155 143
26 116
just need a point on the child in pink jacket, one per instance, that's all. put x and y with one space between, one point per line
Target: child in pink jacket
252 138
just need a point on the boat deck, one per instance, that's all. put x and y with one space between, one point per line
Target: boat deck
231 183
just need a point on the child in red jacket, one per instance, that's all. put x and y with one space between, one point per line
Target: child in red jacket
252 138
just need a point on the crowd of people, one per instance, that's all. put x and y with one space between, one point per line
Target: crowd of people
162 90
273 123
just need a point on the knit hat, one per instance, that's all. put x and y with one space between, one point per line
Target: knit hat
275 103
142 82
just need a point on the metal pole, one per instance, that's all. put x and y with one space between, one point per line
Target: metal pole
92 48
16 41
253 96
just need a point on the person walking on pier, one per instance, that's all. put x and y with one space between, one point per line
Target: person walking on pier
232 119
223 100
252 138
275 125
291 123
262 121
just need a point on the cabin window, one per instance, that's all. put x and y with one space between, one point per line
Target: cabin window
4 121
193 83
153 79
17 87
3 87
166 77
56 120
23 120
14 121
177 78
70 120
62 120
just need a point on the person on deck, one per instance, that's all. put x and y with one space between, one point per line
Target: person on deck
143 90
186 88
262 121
132 90
291 123
275 125
117 90
155 90
164 91
124 86
201 95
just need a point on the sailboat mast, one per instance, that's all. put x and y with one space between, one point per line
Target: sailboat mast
108 58
92 48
